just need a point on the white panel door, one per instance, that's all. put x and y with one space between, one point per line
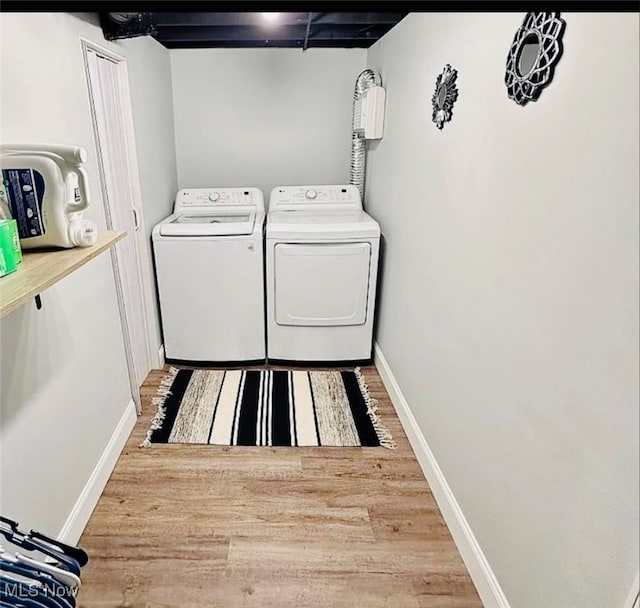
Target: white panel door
321 284
117 189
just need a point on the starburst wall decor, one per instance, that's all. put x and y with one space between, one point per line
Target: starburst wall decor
534 53
444 96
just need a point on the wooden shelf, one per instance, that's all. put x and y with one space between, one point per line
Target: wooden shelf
41 269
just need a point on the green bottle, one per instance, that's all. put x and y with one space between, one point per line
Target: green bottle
10 251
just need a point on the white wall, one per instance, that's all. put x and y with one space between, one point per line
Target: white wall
509 311
149 68
63 378
263 117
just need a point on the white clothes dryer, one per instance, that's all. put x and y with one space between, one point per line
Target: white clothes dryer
210 275
321 274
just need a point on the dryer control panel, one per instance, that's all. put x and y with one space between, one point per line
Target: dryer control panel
214 198
292 198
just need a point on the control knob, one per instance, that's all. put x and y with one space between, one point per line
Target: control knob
214 196
311 194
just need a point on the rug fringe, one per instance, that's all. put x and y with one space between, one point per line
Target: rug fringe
384 434
164 390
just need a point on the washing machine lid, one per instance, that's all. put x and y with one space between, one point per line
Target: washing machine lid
310 225
227 223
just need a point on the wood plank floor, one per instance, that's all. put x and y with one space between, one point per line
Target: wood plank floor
186 526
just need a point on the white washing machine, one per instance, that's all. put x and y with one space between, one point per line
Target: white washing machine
321 274
210 275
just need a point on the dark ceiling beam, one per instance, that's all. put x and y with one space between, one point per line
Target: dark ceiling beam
226 19
247 34
347 31
357 18
336 43
255 18
229 34
235 44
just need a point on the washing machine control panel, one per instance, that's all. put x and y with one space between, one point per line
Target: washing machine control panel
210 198
296 197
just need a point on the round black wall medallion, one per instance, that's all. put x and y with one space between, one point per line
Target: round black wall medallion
534 53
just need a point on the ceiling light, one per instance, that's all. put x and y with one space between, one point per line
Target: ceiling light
270 17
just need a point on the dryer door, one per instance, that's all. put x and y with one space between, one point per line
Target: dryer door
321 284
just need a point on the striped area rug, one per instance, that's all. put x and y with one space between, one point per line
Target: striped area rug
266 408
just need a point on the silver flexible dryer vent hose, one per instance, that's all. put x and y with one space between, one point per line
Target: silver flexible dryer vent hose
366 79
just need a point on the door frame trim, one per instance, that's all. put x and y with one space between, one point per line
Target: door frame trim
141 244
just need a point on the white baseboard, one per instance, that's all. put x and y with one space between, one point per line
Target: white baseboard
86 503
481 573
633 601
160 361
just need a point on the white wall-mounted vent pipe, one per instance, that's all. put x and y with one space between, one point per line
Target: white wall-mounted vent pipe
367 79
